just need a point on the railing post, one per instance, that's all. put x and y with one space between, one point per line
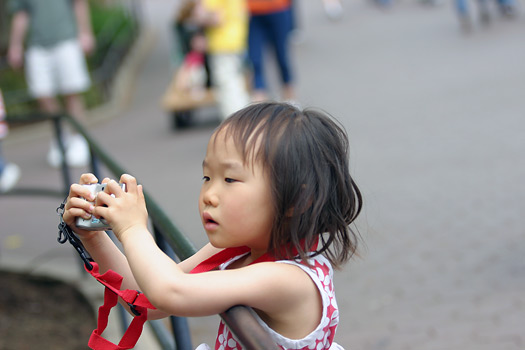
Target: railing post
238 318
66 176
179 325
181 333
95 169
64 167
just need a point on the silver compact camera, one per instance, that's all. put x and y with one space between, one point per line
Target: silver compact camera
94 224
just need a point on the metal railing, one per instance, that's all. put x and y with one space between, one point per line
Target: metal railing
170 239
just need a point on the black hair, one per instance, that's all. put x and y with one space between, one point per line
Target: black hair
305 154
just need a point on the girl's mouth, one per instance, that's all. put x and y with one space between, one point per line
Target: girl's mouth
209 223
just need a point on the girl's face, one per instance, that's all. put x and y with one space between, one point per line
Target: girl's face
235 201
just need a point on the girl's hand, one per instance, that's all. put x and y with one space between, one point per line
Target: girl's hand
125 211
80 203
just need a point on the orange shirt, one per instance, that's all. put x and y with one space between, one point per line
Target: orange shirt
261 7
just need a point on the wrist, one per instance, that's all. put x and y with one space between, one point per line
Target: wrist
132 234
92 238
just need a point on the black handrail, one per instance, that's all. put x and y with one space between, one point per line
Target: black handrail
170 239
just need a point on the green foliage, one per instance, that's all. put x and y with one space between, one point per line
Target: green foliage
113 27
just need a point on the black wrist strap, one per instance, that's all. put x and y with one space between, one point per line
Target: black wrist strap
65 233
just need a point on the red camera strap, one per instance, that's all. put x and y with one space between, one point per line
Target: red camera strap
137 301
224 255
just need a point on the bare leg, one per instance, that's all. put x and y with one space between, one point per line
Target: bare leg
78 150
75 107
49 105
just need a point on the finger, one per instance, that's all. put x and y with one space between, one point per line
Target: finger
103 199
88 178
80 196
73 213
77 207
76 202
100 212
130 181
114 188
105 180
140 192
77 190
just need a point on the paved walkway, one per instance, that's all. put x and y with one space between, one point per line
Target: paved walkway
436 121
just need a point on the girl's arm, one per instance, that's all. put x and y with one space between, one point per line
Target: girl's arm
278 290
100 246
282 294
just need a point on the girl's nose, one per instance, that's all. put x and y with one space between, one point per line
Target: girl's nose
210 197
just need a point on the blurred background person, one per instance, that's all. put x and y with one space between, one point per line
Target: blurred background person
270 23
333 9
506 8
9 172
58 33
192 76
225 24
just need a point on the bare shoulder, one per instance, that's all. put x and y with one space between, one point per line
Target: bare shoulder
288 300
279 285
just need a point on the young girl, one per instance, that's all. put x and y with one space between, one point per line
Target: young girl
276 187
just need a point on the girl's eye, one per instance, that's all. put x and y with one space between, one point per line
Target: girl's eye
206 178
230 180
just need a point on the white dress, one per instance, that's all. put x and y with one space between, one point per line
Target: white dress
321 338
